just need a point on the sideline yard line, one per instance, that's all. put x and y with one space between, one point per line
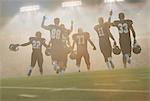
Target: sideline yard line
105 84
28 96
79 89
125 80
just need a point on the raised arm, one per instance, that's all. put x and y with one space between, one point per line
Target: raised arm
73 44
110 15
71 28
44 26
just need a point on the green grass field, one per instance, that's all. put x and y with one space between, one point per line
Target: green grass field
117 85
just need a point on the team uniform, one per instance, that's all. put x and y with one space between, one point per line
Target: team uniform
124 35
104 42
66 44
37 55
56 43
81 41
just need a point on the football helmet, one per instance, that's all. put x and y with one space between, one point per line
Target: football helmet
13 47
116 50
136 49
48 51
73 55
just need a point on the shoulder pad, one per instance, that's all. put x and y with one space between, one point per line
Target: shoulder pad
129 21
43 39
116 22
31 38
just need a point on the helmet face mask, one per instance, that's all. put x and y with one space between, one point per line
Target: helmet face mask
48 51
13 47
116 50
137 49
73 55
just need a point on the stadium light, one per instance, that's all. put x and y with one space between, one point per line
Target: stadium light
111 1
29 8
72 3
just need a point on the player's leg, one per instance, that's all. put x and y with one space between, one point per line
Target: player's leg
128 51
78 61
65 61
40 62
107 62
54 61
122 43
62 69
87 60
33 62
111 62
124 61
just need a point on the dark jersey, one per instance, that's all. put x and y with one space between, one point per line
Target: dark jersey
123 27
55 35
81 40
37 43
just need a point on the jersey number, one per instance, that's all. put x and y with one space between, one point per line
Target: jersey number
56 34
123 28
80 40
36 44
100 32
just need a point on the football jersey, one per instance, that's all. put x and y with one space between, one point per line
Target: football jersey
55 34
123 27
81 40
37 43
102 31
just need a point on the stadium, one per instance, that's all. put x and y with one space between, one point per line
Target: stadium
21 19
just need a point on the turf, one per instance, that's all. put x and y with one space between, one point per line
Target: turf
103 85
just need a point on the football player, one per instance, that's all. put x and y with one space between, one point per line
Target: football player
104 34
55 43
124 27
37 56
66 42
81 39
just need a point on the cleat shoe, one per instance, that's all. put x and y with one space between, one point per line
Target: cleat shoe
29 73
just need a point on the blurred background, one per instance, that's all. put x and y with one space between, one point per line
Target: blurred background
20 19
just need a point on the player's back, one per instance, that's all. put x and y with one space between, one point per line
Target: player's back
103 31
81 40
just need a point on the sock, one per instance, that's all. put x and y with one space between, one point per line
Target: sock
128 58
108 65
30 68
109 59
78 67
55 65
